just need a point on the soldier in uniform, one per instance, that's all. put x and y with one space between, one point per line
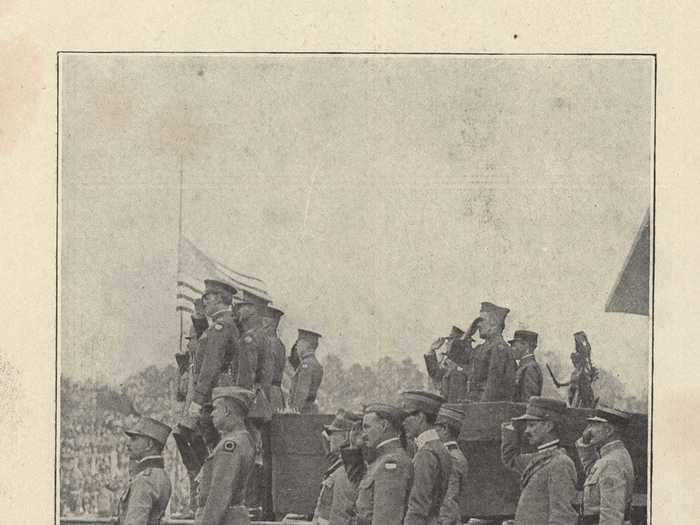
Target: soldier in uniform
548 475
528 376
448 427
146 497
450 375
225 472
278 352
335 486
383 491
607 492
431 463
307 375
492 371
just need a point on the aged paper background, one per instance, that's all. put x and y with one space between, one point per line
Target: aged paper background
32 34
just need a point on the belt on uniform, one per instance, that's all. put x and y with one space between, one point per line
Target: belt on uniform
594 519
277 383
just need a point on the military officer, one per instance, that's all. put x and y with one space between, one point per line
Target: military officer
528 376
431 463
450 375
335 485
219 343
492 371
548 475
308 374
383 492
448 426
279 356
146 497
607 492
225 472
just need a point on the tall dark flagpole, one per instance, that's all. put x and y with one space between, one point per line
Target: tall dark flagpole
179 243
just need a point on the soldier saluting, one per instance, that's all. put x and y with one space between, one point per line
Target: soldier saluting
224 474
450 374
383 492
607 492
145 499
492 371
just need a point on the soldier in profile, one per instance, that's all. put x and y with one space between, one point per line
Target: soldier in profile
528 376
278 352
146 497
448 426
383 491
308 373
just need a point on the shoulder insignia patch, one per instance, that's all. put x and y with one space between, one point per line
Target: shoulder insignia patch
305 366
217 326
389 465
229 446
608 483
146 472
248 339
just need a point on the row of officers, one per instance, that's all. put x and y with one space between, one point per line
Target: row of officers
399 465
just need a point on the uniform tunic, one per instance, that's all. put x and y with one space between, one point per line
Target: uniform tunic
383 492
278 353
325 497
222 481
492 373
607 491
343 510
146 497
547 483
450 512
432 466
305 383
449 377
528 379
219 349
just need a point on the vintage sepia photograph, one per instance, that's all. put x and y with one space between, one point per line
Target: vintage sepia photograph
355 288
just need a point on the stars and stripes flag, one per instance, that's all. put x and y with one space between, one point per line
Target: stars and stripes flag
195 266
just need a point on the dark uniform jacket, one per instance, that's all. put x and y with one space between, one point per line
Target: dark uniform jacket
279 358
492 373
222 481
432 466
219 352
450 512
449 377
305 383
383 492
145 499
255 364
607 491
528 379
325 497
547 482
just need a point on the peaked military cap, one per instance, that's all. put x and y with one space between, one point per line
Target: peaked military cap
152 428
499 312
450 414
273 313
428 402
243 396
456 332
610 415
309 335
343 421
216 286
251 298
394 414
524 335
542 409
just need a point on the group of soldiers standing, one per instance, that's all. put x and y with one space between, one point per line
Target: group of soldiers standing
402 465
393 464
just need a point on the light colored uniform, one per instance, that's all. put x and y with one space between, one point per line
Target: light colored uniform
146 497
450 512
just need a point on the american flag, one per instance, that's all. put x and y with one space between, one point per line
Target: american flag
195 266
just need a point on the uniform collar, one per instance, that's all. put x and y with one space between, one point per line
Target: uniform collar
426 437
527 357
219 313
609 447
548 445
449 444
148 462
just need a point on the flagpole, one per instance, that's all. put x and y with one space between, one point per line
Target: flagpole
179 242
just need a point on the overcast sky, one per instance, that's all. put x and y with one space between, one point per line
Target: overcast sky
382 198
